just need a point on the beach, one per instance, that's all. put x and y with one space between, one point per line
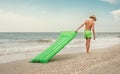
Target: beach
60 32
100 61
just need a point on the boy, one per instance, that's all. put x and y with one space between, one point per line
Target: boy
89 25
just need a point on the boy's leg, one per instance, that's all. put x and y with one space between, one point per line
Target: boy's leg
87 44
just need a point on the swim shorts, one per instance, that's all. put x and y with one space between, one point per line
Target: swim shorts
87 34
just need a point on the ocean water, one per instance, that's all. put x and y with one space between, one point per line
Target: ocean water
23 45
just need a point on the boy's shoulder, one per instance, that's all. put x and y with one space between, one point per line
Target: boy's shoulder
86 21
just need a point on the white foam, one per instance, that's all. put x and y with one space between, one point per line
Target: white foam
24 50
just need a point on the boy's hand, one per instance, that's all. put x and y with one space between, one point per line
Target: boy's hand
76 30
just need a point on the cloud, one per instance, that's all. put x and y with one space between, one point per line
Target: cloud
16 22
110 1
10 21
116 15
44 11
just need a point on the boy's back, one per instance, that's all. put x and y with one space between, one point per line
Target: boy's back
88 24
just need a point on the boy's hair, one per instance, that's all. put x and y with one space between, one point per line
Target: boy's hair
93 17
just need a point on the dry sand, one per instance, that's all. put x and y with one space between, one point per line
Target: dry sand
99 61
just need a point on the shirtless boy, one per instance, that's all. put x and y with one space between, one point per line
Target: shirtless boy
89 25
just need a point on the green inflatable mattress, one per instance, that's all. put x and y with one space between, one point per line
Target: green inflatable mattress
63 39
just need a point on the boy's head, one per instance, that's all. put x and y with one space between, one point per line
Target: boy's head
93 17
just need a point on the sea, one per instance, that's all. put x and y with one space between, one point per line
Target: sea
24 45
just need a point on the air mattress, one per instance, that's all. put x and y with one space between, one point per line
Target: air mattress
63 39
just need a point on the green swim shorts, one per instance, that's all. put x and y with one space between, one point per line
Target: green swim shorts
87 34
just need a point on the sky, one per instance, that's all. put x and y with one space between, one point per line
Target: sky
58 15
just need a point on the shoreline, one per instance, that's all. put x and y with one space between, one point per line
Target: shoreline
99 61
22 55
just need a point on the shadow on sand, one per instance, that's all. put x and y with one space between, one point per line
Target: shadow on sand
63 57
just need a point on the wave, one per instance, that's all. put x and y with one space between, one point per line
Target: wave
3 41
38 45
38 41
118 36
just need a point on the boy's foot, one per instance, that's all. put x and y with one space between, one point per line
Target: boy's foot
88 52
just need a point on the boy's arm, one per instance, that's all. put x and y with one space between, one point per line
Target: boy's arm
80 26
93 29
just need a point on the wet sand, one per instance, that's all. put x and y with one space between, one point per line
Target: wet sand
99 61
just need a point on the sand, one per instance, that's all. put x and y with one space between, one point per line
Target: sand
99 61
